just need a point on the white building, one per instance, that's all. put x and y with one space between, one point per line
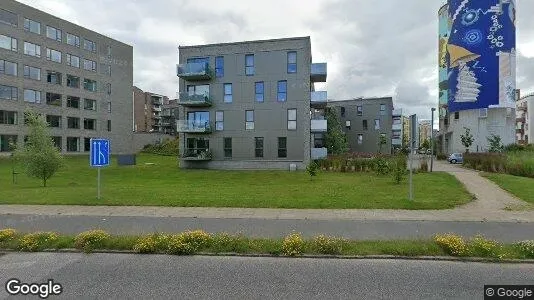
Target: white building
524 117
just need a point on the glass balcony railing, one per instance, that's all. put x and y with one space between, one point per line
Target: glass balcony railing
319 98
194 71
188 126
318 72
318 153
194 100
318 125
197 154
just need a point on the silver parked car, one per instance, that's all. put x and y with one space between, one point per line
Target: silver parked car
456 158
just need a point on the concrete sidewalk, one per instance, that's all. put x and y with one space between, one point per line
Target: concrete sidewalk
489 206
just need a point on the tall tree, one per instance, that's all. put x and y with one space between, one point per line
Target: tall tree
381 142
41 159
467 139
335 139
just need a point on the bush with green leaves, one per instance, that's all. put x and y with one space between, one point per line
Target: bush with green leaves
7 234
152 243
328 245
399 168
312 169
451 243
36 241
526 247
381 166
293 244
168 147
91 239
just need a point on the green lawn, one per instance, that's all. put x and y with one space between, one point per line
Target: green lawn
521 187
161 183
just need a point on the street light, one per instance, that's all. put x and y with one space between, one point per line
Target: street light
433 109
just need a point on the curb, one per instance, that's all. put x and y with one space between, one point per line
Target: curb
314 256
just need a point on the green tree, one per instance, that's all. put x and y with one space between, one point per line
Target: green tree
381 142
467 139
312 168
335 139
495 143
425 144
39 156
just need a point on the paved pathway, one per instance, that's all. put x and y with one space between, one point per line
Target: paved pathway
489 206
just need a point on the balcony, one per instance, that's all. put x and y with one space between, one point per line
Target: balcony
194 100
396 127
318 125
318 72
520 120
319 99
396 113
194 71
396 142
520 130
156 108
522 108
197 155
184 126
318 153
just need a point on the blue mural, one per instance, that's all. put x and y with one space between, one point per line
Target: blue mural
481 54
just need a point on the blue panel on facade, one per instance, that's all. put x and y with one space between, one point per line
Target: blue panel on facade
481 54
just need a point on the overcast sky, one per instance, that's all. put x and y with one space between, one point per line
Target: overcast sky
373 48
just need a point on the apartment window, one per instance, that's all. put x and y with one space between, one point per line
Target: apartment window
259 91
32 73
73 81
292 62
8 68
282 147
32 96
109 125
347 124
8 17
53 77
396 121
227 147
457 115
53 99
86 144
360 139
359 110
73 102
382 109
249 120
282 90
219 66
32 49
109 107
32 26
292 119
342 112
249 64
377 124
318 140
228 93
73 61
57 142
89 65
108 50
6 141
108 88
8 117
219 120
9 92
258 147
73 40
73 144
89 104
364 124
7 42
53 33
73 123
89 124
53 55
89 85
89 45
53 121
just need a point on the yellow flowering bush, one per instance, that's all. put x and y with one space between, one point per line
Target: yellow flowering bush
328 245
89 240
451 243
527 247
480 246
36 241
7 234
293 245
188 242
151 243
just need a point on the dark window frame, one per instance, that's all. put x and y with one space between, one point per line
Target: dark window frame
227 147
259 144
282 151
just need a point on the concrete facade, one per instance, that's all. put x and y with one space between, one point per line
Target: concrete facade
244 126
73 67
148 111
524 119
374 111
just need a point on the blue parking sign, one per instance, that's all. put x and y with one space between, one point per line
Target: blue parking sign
99 154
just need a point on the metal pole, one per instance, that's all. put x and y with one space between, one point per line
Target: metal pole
432 140
98 195
411 165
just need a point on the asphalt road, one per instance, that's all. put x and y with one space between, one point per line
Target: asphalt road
357 229
130 276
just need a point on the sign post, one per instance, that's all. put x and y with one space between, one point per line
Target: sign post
413 141
99 157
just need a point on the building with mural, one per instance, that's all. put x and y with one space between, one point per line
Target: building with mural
477 72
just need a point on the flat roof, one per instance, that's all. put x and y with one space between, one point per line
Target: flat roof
361 99
249 42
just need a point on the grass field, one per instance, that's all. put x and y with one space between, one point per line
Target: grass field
521 187
156 180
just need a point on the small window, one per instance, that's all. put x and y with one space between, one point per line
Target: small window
292 62
8 43
292 119
89 45
73 81
32 49
53 77
89 124
360 139
89 85
109 125
364 124
219 66
382 109
457 115
53 99
377 124
9 92
32 73
219 120
9 18
53 55
359 110
108 88
347 124
73 123
73 60
73 102
8 68
32 96
73 144
483 112
342 112
53 121
86 144
258 147
57 142
249 64
249 120
53 33
108 50
89 104
228 93
259 91
8 117
282 147
227 147
73 40
282 90
109 107
32 26
89 65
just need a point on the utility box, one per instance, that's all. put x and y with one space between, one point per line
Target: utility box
126 159
292 167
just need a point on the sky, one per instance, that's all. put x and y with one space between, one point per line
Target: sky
373 48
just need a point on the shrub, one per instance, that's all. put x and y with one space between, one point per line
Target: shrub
36 241
177 245
168 147
328 245
224 242
381 166
441 156
451 243
526 247
151 243
89 240
423 166
7 234
488 162
399 168
482 247
199 239
293 245
312 168
188 242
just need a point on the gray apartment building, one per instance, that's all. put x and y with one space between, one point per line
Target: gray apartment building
247 105
364 120
148 111
79 79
